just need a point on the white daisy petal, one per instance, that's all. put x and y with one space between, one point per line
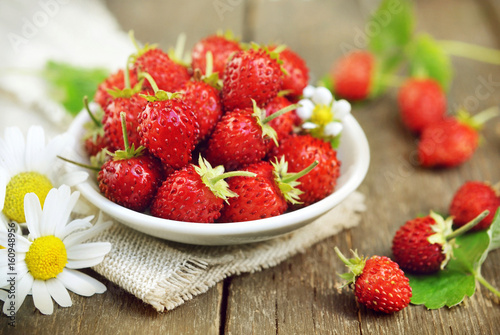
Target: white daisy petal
41 297
333 128
88 250
3 295
305 109
83 263
58 292
76 238
308 91
4 180
33 208
309 125
322 96
12 151
51 212
73 226
21 243
35 145
98 286
23 288
341 109
72 280
73 178
54 147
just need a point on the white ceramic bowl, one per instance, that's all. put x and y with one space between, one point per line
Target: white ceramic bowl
353 153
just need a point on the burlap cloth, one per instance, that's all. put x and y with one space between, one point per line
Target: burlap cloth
166 274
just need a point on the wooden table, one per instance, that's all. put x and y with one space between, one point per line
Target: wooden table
300 296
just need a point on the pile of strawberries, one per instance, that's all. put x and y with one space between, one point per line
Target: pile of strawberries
171 133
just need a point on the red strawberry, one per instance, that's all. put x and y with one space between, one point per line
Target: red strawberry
221 47
300 151
114 81
194 193
94 139
168 75
252 74
353 74
130 179
264 196
470 200
205 101
168 127
240 138
284 124
379 283
421 103
297 76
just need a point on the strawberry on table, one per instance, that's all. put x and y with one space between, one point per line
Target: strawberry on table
352 75
421 102
241 137
470 200
300 151
266 195
379 283
251 74
168 127
195 193
131 178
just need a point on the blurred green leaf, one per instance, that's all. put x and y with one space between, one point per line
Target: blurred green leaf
69 84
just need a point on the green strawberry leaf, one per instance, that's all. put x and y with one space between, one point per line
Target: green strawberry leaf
450 286
68 83
390 27
428 59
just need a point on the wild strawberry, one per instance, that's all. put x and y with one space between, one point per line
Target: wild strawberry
297 73
379 283
205 100
283 124
94 139
251 74
421 103
130 179
265 195
300 151
425 245
452 141
194 193
220 46
470 200
353 74
113 82
168 74
241 137
168 127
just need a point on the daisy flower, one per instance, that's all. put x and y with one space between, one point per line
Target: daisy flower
45 262
321 113
31 165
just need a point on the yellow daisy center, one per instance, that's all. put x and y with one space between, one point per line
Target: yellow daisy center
322 115
46 257
18 187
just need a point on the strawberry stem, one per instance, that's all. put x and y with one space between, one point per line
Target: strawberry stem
127 74
279 113
210 63
150 80
467 226
132 38
92 116
471 51
302 173
232 174
485 115
95 168
487 285
126 143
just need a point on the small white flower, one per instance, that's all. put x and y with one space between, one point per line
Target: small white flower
320 111
45 261
31 165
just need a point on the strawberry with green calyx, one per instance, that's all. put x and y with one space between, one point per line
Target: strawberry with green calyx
266 195
94 139
114 81
130 102
297 73
222 46
195 193
204 97
300 151
255 73
168 127
168 75
379 283
284 124
131 178
241 137
453 140
471 199
425 245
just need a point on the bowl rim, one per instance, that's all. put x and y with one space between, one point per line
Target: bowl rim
292 220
